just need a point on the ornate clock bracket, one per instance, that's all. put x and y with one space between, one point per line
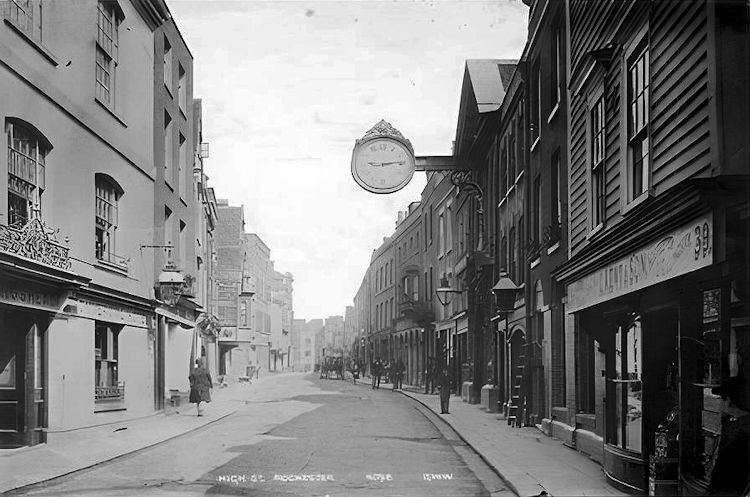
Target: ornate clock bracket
462 180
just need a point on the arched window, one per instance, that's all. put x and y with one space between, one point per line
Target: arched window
27 151
108 194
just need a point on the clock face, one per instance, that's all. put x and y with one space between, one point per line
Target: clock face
382 165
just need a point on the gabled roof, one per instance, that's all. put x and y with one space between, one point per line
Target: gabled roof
489 79
483 90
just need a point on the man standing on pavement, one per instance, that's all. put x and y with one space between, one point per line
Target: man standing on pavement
444 384
375 372
399 375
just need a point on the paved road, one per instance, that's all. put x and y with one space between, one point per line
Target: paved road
299 436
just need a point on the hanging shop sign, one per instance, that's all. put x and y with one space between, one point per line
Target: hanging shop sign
679 252
383 160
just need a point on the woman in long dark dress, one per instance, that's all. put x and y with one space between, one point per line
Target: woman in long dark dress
200 385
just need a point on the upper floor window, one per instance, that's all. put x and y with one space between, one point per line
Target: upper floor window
27 151
513 252
108 20
536 102
26 15
597 137
182 88
105 215
555 69
503 169
168 148
503 254
441 233
167 61
449 228
556 196
639 163
521 252
537 199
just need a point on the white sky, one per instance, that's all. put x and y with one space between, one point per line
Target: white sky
287 87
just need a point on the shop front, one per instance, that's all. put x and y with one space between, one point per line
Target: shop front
667 318
35 280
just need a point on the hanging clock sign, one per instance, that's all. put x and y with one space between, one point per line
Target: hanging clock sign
383 160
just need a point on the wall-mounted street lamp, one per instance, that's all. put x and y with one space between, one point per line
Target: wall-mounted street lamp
444 292
505 292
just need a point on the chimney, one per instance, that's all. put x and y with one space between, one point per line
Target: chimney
400 218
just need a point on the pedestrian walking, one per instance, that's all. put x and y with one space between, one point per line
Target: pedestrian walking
355 372
444 384
200 385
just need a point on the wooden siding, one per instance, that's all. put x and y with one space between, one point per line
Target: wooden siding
679 86
593 23
679 93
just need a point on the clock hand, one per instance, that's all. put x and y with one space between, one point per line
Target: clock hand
376 164
393 162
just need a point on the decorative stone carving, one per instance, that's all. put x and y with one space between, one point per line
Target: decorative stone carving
36 242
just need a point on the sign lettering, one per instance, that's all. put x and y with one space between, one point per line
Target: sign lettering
679 252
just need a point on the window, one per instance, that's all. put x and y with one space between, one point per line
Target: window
537 199
536 104
168 232
243 313
521 252
513 251
107 386
556 197
107 197
597 120
26 15
183 244
449 228
639 164
168 159
512 157
555 69
414 287
167 64
27 152
626 428
504 254
182 166
503 169
108 20
441 234
182 89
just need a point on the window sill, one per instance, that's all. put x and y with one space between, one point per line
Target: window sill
101 406
640 199
536 142
535 263
553 112
111 111
113 267
594 231
553 248
183 201
37 45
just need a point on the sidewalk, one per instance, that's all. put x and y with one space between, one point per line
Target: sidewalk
67 452
527 460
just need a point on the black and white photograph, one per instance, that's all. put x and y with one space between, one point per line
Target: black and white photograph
388 248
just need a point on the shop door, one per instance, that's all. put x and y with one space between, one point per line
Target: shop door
22 406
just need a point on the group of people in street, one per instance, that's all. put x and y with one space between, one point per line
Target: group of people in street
393 373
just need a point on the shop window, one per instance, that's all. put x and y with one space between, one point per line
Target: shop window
27 152
108 387
626 428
